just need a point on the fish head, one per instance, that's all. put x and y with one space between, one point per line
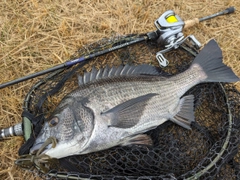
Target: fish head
70 125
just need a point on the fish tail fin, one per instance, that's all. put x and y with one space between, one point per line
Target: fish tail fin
211 61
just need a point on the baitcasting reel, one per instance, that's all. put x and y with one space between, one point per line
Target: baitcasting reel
169 32
169 29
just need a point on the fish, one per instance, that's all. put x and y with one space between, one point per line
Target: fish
116 106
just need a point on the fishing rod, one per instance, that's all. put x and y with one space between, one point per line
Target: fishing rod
168 34
73 62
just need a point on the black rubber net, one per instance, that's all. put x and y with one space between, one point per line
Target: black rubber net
208 151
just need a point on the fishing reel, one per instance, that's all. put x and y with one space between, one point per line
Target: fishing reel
169 32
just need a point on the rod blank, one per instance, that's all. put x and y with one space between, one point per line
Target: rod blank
73 62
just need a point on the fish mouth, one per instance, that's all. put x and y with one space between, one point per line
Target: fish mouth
42 147
35 148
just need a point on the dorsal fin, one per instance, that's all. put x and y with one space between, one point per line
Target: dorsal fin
126 70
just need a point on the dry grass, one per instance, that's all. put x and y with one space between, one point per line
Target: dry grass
35 35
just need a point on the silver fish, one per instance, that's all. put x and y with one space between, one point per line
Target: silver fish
115 106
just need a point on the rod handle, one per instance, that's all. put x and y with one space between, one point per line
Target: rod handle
190 23
15 130
229 10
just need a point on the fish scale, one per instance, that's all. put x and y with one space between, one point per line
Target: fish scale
109 95
115 106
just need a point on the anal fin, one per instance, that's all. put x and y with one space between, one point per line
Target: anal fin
186 114
140 139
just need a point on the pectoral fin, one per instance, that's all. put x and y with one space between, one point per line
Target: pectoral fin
140 139
186 114
127 114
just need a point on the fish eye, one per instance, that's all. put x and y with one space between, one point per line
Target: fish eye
53 122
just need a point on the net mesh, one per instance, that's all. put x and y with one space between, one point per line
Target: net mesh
208 151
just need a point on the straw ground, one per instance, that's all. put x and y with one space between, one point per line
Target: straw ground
36 35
